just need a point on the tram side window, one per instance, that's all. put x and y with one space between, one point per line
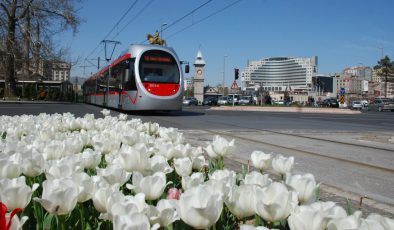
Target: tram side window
115 80
129 77
102 83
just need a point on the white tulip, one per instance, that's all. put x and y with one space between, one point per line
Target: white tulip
105 112
59 196
130 204
85 186
329 209
257 179
349 222
241 200
220 147
114 174
101 195
305 217
163 214
260 160
305 186
54 150
90 158
386 222
192 181
14 193
274 202
183 166
200 207
152 186
135 221
132 159
164 149
282 164
251 227
171 134
152 128
160 164
9 169
199 163
63 168
33 163
370 224
229 177
122 117
131 137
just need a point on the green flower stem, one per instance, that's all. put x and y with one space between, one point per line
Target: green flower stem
170 227
258 220
82 215
61 222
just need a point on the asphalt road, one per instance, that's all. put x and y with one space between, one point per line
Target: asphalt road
347 152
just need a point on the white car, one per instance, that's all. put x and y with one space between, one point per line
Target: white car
223 100
356 105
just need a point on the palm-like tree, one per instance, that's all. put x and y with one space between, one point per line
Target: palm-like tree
385 68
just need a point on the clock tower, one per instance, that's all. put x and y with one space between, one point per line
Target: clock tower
199 77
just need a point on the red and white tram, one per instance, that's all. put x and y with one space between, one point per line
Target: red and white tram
145 77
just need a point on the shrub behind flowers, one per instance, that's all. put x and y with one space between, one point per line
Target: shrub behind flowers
62 172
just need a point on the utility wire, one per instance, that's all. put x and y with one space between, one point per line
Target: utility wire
131 20
205 18
117 23
183 17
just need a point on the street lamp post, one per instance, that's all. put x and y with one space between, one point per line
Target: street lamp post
161 29
224 71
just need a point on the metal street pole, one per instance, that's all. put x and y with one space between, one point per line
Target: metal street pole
108 58
224 70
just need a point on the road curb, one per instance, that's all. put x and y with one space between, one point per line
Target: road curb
287 109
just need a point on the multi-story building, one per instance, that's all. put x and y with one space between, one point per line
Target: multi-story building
189 82
280 74
60 71
361 72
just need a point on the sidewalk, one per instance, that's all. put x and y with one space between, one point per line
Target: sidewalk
34 102
287 109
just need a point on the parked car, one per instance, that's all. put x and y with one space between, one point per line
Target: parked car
279 102
210 101
223 100
330 102
230 100
190 101
245 100
380 104
356 105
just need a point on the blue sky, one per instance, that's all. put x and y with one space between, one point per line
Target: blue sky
341 33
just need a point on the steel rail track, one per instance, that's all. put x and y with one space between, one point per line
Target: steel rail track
372 166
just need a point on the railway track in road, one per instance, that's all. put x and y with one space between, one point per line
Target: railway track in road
353 160
314 153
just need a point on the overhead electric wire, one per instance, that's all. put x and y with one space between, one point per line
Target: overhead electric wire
131 20
205 18
183 17
117 23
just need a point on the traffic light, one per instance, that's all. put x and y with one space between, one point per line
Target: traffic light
236 73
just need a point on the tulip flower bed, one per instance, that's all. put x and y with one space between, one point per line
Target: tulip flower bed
62 172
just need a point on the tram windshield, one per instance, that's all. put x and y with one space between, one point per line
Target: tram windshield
159 67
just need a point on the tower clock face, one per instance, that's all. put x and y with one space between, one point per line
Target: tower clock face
199 72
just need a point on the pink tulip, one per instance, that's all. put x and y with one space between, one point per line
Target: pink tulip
174 194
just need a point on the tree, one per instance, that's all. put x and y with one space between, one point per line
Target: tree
46 17
385 68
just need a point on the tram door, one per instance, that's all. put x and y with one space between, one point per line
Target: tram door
106 89
125 73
